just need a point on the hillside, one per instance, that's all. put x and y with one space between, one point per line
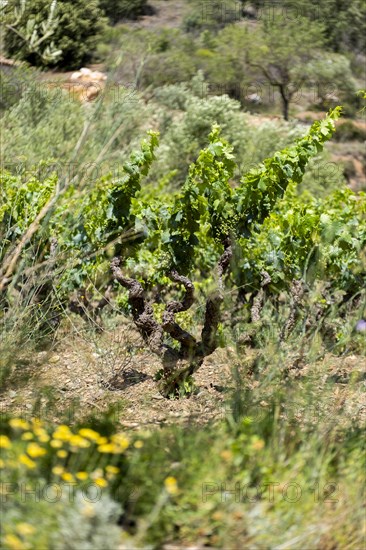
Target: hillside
182 275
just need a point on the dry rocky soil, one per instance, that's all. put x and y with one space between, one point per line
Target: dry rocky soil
85 374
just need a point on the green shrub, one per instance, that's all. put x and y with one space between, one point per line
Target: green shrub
185 133
170 60
345 22
122 9
47 124
169 68
213 15
42 124
79 25
275 232
13 85
349 131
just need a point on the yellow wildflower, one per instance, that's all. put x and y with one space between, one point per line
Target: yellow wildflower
62 453
24 459
89 434
36 422
41 434
34 450
257 444
112 469
62 432
101 482
171 485
27 436
57 470
5 442
13 542
43 438
121 440
63 428
77 441
56 443
82 476
226 454
102 440
107 448
66 476
25 529
62 436
18 423
138 444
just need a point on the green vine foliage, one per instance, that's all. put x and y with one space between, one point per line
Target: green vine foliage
154 230
85 225
312 239
261 188
21 199
204 210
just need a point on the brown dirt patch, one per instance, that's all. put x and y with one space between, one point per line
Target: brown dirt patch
88 373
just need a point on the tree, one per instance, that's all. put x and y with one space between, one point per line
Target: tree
333 80
344 22
66 32
281 50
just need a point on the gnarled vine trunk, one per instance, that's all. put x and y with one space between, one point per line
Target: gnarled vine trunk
178 364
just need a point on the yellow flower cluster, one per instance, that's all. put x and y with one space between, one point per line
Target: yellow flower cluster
5 442
14 543
17 541
72 453
65 442
19 423
98 476
86 437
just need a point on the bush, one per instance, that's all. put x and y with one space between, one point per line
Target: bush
77 33
43 124
47 124
168 68
171 60
13 85
212 15
120 9
349 131
184 133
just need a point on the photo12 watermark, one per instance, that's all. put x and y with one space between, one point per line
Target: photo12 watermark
260 92
53 492
271 491
59 92
70 412
225 12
